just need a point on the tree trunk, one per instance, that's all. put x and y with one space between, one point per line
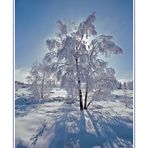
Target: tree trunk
42 87
42 96
78 76
86 95
80 98
86 92
79 86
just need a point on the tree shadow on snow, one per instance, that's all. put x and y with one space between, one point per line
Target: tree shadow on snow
116 131
70 132
88 129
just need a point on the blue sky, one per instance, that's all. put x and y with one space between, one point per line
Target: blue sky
35 21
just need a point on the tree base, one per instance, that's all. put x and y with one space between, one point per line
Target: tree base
85 108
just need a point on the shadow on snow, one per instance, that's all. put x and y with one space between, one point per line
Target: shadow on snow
73 130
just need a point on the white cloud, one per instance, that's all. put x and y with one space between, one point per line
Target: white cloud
21 74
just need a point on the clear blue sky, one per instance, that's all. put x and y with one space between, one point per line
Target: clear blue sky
35 20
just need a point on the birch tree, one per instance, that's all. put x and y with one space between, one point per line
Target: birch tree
39 80
75 54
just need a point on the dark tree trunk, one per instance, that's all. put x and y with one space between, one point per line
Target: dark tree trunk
86 95
79 86
80 99
85 104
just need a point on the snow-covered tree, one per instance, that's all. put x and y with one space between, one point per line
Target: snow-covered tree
130 85
39 79
119 85
75 54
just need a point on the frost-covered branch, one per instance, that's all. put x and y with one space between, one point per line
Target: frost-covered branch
74 58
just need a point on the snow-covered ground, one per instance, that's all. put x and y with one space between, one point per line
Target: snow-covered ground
56 123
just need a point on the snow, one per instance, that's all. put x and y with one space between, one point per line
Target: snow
22 92
121 92
58 124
